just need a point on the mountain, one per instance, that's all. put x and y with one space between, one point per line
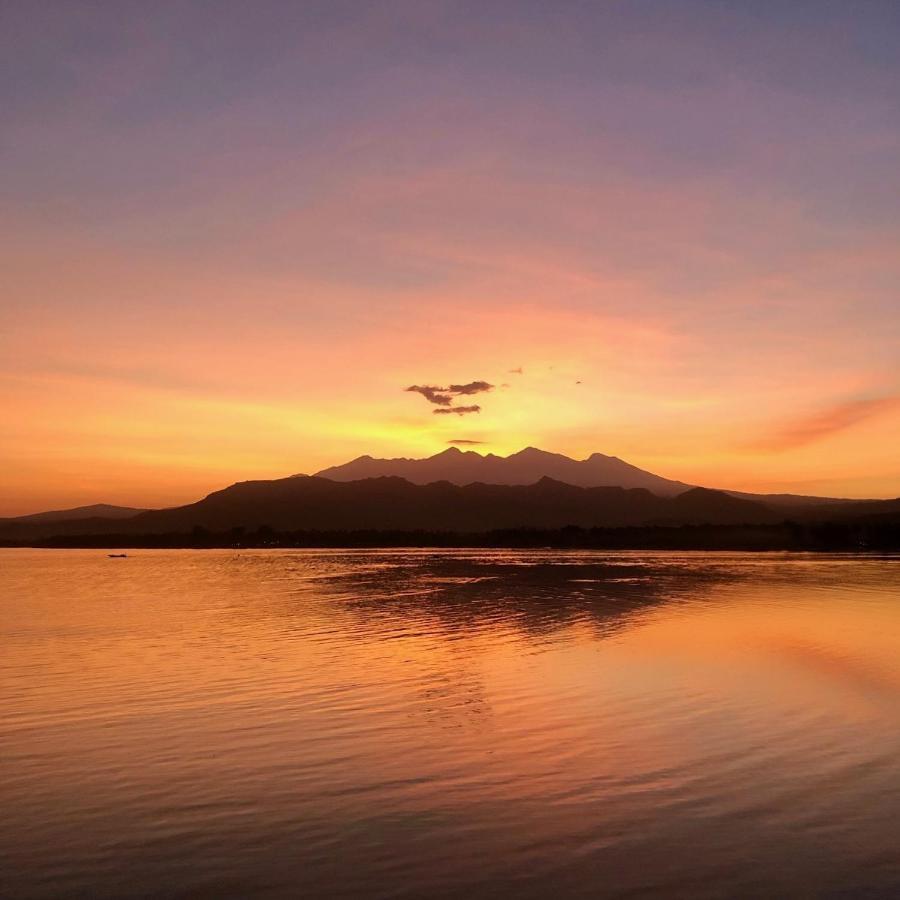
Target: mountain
525 467
103 510
529 465
796 500
456 491
387 503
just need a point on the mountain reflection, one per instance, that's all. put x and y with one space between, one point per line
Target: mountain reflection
426 625
450 595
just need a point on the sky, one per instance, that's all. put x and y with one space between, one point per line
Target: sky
235 233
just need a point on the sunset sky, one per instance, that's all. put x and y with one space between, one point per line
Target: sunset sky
234 233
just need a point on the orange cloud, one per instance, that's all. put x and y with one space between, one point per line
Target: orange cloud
836 418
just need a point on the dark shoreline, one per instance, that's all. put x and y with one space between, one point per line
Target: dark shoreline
786 536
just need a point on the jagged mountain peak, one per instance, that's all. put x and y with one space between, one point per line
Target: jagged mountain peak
526 466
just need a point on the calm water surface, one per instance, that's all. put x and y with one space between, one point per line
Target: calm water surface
448 724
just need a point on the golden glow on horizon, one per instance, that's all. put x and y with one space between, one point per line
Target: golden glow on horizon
162 432
105 435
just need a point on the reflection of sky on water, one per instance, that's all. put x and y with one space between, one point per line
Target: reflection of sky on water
438 724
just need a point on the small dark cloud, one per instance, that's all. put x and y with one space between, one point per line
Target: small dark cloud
432 393
443 396
473 387
516 371
458 410
463 442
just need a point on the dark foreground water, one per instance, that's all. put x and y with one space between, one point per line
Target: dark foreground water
448 724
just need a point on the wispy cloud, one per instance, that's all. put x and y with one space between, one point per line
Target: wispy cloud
463 442
457 410
836 418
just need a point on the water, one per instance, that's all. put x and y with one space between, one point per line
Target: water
448 724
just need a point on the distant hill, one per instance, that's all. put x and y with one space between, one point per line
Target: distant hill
313 503
525 467
102 510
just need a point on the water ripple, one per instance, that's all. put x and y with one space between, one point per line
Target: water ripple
449 724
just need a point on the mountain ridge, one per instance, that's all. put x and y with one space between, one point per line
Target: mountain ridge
310 503
93 510
390 503
524 467
530 464
455 489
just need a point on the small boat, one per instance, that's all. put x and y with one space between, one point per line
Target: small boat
117 555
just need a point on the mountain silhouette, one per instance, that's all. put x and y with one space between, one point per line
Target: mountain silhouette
529 465
103 510
445 498
525 467
389 503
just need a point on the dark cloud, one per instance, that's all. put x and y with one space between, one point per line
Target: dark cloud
516 371
432 393
463 442
473 387
458 410
443 396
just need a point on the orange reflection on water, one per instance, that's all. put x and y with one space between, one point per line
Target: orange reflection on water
437 717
